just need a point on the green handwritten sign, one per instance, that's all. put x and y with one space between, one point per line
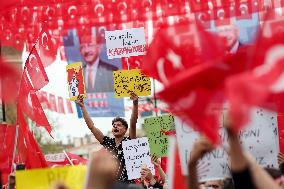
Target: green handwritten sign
158 140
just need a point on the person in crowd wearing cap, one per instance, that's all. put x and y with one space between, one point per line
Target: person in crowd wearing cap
119 128
97 73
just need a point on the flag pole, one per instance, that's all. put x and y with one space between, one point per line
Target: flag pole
2 98
155 98
15 147
68 157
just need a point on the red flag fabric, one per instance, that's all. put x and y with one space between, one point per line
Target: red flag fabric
133 62
61 159
28 148
77 160
196 78
265 80
52 102
168 57
61 108
29 103
47 47
176 179
42 95
7 140
69 106
198 94
280 124
35 70
9 77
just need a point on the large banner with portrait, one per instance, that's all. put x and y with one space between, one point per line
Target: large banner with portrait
90 49
236 30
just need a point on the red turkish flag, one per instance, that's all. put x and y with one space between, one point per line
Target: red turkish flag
42 96
52 102
61 108
9 77
47 47
69 106
168 55
133 62
204 18
196 77
28 148
76 160
244 10
198 6
35 70
261 85
30 104
67 159
198 93
176 179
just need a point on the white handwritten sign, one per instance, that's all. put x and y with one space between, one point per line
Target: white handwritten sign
125 43
59 157
136 153
259 138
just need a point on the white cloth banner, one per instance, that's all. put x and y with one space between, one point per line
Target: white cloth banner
125 43
259 138
136 153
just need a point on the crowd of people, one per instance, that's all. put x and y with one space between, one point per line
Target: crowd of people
107 168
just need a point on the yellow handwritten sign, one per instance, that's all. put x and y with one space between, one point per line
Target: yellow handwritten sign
131 80
72 176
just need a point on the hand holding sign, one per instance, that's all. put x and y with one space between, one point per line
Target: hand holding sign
200 148
80 101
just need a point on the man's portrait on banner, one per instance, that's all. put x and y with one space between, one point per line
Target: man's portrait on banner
98 73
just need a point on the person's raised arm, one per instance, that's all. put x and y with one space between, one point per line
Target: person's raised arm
261 178
96 132
157 163
134 116
241 173
200 148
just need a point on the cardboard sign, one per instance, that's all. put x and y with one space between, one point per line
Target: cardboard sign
136 154
59 157
72 176
259 138
125 43
75 80
154 128
131 80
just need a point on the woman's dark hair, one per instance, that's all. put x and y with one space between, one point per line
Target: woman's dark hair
124 123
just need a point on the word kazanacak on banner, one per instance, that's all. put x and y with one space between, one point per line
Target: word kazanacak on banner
125 43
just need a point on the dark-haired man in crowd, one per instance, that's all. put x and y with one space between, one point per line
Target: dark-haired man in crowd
119 128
